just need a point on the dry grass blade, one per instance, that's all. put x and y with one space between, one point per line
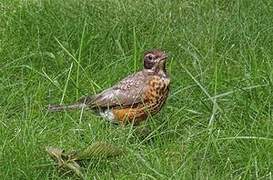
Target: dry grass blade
55 154
99 149
65 162
68 162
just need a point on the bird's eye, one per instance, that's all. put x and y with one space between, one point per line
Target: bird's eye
150 57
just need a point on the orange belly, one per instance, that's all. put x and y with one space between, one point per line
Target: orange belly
132 115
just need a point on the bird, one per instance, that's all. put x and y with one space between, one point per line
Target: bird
134 98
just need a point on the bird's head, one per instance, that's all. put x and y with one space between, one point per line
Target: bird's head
155 60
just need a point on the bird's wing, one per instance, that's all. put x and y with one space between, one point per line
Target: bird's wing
127 92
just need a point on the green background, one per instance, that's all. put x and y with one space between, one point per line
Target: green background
216 124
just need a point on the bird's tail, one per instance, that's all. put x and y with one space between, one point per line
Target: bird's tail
56 108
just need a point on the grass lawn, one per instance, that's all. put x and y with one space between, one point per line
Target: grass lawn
216 124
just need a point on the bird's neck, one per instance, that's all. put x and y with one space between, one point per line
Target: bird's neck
162 72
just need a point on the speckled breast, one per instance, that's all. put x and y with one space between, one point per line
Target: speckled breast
156 94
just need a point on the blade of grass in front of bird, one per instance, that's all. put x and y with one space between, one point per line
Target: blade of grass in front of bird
135 49
66 82
79 58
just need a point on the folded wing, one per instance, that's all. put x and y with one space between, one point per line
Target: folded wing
127 92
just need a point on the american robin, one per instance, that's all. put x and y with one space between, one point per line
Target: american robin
132 99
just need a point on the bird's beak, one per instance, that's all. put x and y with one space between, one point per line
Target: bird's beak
163 57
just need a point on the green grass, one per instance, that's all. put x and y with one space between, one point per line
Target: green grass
217 123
